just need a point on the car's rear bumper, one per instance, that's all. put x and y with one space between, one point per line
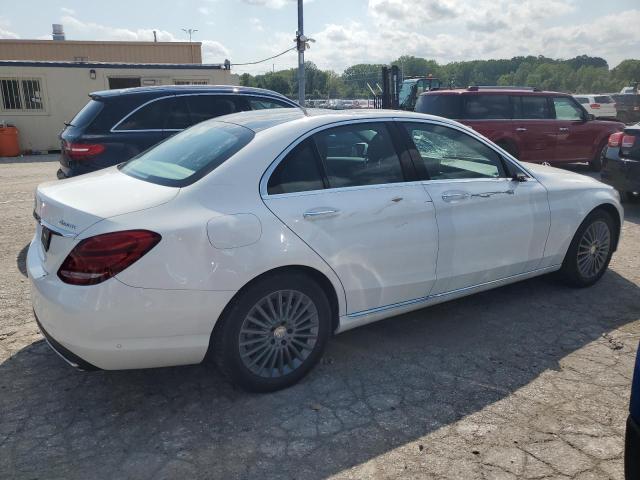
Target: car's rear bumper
632 450
113 326
622 174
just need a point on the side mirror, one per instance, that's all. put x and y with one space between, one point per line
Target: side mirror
519 177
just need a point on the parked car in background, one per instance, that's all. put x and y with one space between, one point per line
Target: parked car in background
117 125
628 107
621 164
255 238
632 436
532 125
600 106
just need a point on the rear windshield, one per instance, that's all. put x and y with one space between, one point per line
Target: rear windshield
448 106
88 113
603 99
189 155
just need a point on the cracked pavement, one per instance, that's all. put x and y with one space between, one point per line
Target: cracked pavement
527 381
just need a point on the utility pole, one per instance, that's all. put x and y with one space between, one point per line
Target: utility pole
301 43
189 31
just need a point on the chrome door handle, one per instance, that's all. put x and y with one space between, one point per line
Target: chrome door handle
564 129
453 196
320 213
521 129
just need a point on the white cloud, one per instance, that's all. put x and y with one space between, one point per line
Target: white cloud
275 4
204 10
8 34
256 23
67 11
213 52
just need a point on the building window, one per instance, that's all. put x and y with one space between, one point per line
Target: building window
22 94
190 82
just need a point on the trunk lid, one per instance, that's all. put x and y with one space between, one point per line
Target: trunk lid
66 208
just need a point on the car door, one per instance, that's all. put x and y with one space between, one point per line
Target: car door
575 134
490 226
533 128
345 192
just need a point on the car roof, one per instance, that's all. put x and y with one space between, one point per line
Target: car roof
494 91
259 120
186 89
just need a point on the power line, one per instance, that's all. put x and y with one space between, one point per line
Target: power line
264 60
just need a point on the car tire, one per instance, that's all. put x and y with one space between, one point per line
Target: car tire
590 250
261 344
595 165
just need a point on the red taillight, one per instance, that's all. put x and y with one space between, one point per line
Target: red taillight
595 105
615 139
99 258
82 151
628 141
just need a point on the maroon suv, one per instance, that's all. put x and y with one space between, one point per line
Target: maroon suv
533 125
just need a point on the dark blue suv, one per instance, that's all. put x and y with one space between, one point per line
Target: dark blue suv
116 125
632 441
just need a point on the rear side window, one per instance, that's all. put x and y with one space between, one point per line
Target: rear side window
88 114
178 116
359 154
299 171
487 107
259 103
447 106
189 155
204 107
149 117
582 100
531 107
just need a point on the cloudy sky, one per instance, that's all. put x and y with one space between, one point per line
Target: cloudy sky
348 31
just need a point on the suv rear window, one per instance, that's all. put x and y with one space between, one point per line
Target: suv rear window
603 99
190 155
448 106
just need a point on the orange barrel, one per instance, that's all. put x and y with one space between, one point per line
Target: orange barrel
9 141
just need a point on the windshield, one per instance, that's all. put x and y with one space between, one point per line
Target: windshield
405 91
189 155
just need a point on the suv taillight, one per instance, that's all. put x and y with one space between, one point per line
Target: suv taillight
595 105
615 139
628 141
96 259
82 151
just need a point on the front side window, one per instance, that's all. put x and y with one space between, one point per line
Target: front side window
566 109
358 154
582 100
178 116
299 171
446 153
487 107
204 107
189 155
258 103
603 99
531 107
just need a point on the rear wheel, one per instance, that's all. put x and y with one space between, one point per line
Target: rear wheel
590 251
274 333
596 164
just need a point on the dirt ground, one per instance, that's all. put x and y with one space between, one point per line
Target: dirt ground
526 381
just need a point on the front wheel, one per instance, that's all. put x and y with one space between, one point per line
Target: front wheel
590 251
273 333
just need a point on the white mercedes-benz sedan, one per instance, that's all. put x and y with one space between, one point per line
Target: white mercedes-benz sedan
252 238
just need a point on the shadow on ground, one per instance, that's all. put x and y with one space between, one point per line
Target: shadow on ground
21 260
378 387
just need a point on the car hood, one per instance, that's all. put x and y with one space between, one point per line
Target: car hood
553 178
73 205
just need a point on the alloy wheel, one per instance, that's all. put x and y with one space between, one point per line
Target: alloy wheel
593 249
279 333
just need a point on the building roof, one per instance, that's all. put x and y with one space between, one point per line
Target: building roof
176 66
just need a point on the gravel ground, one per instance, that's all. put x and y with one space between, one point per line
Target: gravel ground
526 381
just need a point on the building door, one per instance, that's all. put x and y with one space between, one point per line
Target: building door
123 82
